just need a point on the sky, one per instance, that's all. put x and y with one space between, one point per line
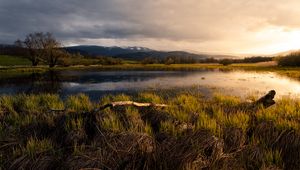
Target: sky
209 26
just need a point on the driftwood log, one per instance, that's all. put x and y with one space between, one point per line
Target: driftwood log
266 100
121 103
91 117
251 107
129 103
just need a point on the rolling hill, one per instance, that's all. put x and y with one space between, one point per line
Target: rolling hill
93 50
137 53
127 53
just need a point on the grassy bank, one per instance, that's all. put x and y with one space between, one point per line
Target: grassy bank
293 72
191 133
6 60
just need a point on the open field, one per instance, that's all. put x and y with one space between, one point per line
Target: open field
6 60
191 133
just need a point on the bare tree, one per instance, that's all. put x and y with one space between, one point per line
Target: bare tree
33 45
52 50
41 47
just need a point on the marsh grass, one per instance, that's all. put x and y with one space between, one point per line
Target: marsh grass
191 133
77 103
34 147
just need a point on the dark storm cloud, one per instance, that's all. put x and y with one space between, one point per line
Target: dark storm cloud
208 24
24 16
69 19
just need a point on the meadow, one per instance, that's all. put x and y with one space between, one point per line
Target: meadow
192 132
7 60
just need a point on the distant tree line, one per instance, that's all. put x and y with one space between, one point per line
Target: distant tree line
169 60
192 60
12 50
254 59
292 59
78 59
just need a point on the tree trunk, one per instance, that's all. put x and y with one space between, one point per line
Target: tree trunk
51 65
34 63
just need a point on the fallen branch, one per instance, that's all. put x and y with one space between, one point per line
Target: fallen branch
57 110
130 103
267 101
120 103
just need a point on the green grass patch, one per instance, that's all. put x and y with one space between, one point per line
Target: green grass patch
6 60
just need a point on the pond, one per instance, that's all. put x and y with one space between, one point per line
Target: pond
96 84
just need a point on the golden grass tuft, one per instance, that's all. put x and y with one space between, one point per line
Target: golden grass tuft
192 132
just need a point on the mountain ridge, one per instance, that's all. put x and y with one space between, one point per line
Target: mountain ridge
136 52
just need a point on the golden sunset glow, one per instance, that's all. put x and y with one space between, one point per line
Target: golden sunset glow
277 40
214 26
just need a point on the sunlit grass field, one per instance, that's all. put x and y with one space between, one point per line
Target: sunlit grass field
193 132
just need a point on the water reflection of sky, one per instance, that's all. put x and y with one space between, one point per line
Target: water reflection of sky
236 83
100 83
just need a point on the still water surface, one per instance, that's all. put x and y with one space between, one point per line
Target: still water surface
97 84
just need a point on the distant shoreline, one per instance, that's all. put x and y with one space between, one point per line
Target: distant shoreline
292 72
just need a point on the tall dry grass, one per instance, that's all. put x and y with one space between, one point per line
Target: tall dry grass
191 133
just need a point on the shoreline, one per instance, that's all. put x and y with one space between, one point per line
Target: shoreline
292 72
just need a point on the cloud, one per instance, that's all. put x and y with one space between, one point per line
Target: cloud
201 25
